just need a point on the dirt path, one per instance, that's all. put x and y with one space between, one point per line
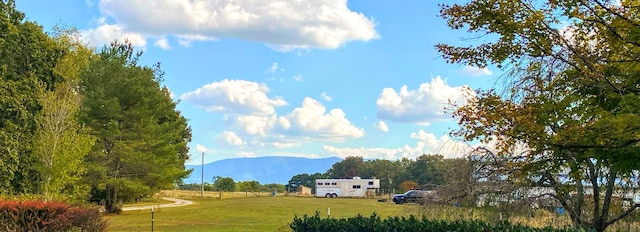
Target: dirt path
176 202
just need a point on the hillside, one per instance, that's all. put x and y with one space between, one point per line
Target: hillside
272 169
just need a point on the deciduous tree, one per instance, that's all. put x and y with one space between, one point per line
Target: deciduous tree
385 170
347 168
427 170
224 184
60 142
568 117
27 60
305 180
248 186
408 185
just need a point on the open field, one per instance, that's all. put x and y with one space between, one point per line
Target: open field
215 194
248 212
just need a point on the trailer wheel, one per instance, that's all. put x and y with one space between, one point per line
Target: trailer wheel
333 195
327 195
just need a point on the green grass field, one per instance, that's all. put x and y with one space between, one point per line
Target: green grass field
247 214
261 212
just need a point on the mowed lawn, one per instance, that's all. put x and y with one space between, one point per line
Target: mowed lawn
249 214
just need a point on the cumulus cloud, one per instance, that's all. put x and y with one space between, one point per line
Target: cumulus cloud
382 126
235 97
252 119
426 143
309 122
232 138
283 24
422 106
256 124
313 119
107 33
475 71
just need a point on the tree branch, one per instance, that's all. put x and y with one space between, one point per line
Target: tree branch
604 146
623 214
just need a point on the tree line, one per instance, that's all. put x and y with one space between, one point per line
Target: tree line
80 123
425 172
227 184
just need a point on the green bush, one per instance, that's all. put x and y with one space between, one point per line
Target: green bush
412 223
36 215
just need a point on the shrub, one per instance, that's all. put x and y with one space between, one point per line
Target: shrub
33 215
412 223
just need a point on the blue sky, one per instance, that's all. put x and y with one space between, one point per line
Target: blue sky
307 78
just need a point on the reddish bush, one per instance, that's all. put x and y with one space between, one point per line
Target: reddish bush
48 216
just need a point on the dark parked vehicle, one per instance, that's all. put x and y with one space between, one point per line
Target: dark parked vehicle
411 196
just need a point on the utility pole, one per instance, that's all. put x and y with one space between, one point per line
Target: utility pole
390 183
202 178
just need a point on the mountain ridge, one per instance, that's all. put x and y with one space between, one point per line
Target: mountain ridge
265 169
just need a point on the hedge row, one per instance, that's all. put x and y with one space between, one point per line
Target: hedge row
412 223
48 216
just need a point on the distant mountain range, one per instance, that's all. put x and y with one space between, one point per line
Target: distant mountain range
266 170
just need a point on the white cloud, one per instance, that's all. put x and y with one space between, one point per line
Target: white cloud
273 68
235 97
421 106
475 71
325 96
196 157
364 152
283 24
201 148
232 138
162 43
186 40
284 145
382 126
307 123
253 120
313 120
107 33
426 143
256 124
287 48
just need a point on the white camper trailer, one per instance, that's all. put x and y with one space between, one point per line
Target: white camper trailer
355 187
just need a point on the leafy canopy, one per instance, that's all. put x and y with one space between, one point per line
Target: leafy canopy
570 103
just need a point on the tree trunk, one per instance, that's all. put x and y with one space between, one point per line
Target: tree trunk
110 205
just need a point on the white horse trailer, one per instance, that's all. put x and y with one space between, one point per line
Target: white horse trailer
355 187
